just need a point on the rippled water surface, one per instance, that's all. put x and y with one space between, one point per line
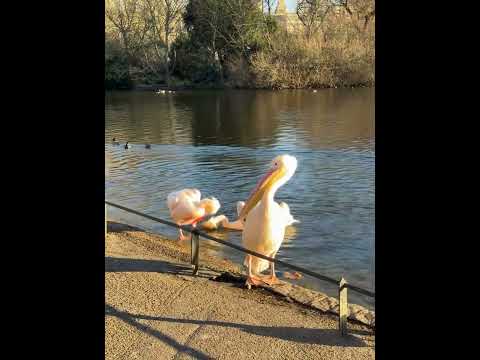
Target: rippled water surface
221 143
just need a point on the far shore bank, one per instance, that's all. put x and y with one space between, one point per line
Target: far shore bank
156 87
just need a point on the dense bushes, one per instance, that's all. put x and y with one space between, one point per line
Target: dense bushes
299 62
193 62
231 43
117 74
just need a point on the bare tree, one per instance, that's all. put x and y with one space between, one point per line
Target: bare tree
165 18
229 29
312 14
361 12
269 5
124 16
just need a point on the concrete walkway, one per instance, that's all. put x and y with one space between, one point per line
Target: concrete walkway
155 309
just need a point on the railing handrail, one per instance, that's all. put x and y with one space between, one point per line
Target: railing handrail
240 248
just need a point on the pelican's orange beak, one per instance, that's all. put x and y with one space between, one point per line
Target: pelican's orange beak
265 183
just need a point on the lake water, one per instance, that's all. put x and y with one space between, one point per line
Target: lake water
221 143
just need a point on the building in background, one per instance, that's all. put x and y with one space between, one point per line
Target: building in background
288 21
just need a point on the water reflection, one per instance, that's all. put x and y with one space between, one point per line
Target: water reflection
326 119
221 143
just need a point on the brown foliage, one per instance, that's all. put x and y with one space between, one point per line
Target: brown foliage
341 54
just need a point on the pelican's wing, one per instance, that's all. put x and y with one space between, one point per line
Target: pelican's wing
289 220
193 195
172 200
183 204
190 195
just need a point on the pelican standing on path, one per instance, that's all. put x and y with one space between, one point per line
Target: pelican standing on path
186 208
264 220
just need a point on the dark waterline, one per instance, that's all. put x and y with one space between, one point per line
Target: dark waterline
221 142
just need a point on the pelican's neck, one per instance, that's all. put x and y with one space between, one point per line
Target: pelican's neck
269 194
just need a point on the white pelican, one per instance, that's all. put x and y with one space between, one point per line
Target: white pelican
221 220
264 220
213 222
286 218
186 208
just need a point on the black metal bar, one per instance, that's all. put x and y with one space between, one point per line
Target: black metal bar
360 290
183 227
276 261
240 248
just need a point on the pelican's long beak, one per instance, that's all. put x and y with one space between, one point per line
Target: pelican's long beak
270 178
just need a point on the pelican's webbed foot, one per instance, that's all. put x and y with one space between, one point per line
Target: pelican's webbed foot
271 280
253 280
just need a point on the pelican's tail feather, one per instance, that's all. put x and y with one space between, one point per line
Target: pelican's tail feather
293 221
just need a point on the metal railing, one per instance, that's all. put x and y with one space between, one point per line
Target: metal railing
342 284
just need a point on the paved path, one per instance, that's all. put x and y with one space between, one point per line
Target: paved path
154 309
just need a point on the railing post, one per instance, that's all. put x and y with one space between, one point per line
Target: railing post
342 297
195 246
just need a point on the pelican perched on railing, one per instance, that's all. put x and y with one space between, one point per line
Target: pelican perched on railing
186 208
264 220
